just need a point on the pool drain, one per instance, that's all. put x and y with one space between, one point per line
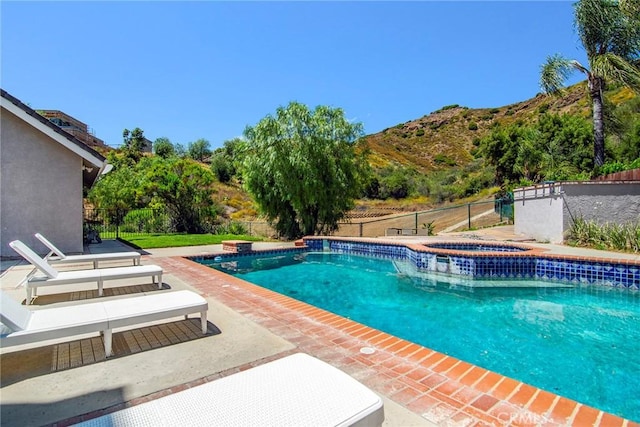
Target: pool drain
367 350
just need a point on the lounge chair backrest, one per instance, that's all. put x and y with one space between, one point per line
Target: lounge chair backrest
34 259
12 314
54 250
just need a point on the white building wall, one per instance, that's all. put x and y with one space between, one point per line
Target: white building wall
546 212
40 189
538 213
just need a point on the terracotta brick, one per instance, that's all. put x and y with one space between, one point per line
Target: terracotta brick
458 370
423 404
406 396
473 375
449 387
505 388
419 373
485 402
523 395
488 382
609 420
542 402
466 394
410 349
445 364
586 416
433 380
421 354
433 359
563 410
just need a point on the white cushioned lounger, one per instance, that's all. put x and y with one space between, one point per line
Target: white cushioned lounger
56 256
297 390
54 277
60 322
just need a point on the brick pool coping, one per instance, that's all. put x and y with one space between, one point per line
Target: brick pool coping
440 388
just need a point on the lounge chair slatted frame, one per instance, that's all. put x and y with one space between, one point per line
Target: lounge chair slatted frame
45 324
51 276
56 256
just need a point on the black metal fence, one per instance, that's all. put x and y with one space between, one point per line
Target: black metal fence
453 218
109 224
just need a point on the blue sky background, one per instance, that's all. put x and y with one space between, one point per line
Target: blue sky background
190 70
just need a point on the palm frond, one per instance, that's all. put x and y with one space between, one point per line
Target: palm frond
614 68
555 72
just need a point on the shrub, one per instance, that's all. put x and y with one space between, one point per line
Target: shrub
621 237
543 108
494 111
145 221
441 159
473 126
420 132
232 227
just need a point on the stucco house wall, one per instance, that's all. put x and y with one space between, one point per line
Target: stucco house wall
546 212
34 198
42 174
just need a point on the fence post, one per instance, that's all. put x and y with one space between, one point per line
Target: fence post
360 229
416 227
469 214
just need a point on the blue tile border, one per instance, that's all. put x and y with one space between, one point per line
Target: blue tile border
512 262
504 265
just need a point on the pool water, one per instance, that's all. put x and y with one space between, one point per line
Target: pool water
579 342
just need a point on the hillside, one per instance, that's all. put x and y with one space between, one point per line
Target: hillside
444 138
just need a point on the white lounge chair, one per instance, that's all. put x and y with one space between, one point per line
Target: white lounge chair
51 276
55 255
297 390
26 326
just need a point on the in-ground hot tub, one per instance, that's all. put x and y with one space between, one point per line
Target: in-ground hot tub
480 259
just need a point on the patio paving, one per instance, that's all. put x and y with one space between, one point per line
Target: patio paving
248 326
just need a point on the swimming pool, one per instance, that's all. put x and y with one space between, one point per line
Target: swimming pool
576 341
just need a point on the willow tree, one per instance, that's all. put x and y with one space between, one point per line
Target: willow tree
610 34
302 169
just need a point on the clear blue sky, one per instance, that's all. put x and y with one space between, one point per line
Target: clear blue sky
208 69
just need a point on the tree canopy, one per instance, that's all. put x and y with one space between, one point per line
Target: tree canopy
182 186
302 168
133 143
554 148
610 34
199 150
164 148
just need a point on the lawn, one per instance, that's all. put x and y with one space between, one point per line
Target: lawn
151 241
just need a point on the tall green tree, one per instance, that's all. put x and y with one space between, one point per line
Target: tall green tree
133 143
163 147
302 168
610 35
199 150
184 187
224 160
